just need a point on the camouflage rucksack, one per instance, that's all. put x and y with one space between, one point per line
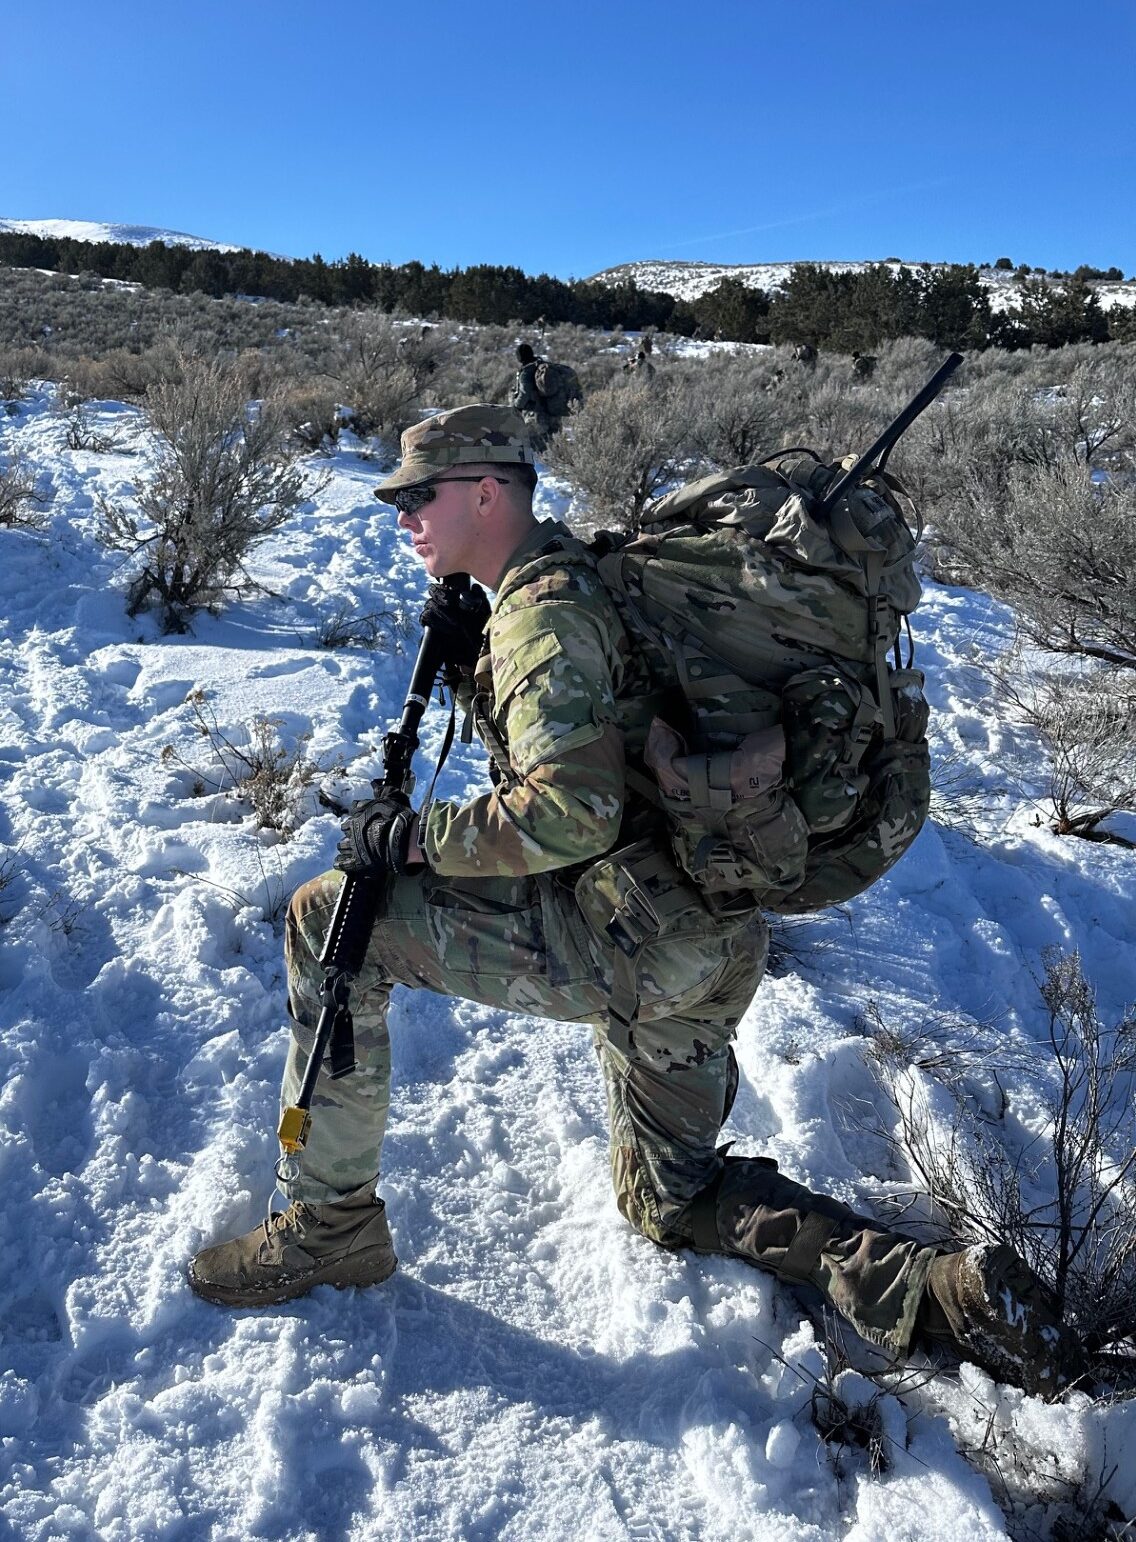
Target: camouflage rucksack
558 386
791 756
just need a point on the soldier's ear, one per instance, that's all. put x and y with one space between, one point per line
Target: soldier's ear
489 495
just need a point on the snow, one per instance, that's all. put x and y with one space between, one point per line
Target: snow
124 235
534 1369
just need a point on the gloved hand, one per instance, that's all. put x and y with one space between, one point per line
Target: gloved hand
458 620
376 836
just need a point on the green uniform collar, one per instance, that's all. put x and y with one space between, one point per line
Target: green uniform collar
544 531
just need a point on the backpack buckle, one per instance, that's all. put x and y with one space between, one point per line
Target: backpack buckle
635 921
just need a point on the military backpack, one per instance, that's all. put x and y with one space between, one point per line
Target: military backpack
558 387
790 758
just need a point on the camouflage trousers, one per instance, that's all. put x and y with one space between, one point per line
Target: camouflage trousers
541 426
534 946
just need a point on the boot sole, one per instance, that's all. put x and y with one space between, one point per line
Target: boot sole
370 1266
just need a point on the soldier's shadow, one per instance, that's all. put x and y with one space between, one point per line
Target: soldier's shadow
444 1345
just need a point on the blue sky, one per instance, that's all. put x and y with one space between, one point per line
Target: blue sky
568 138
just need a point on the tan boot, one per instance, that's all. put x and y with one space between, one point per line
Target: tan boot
345 1243
988 1306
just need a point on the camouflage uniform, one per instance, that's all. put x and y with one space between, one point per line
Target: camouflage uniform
526 888
528 401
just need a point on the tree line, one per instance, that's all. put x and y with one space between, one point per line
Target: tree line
843 311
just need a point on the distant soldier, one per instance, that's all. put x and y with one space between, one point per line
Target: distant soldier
863 365
640 365
806 354
544 393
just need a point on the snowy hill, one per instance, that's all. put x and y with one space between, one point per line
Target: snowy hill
689 280
534 1370
126 235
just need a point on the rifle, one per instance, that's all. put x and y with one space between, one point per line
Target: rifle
874 459
359 902
875 456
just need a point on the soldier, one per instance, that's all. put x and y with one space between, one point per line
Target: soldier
544 394
640 365
532 897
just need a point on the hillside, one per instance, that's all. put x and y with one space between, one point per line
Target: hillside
846 307
690 280
127 235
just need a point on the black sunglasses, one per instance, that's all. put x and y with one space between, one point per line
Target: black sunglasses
409 500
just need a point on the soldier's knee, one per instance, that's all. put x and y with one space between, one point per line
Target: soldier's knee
309 912
315 894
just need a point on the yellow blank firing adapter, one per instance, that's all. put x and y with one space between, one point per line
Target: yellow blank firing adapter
293 1132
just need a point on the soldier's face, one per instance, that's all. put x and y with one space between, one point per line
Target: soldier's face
444 533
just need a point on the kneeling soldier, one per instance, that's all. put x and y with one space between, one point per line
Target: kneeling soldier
516 900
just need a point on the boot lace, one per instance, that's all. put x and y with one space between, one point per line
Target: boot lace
297 1217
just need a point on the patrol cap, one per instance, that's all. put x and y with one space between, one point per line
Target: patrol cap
464 436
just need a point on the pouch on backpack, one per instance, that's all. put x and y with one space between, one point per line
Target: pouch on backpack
732 823
887 815
829 719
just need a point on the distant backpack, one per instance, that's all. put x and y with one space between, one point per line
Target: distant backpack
558 386
790 757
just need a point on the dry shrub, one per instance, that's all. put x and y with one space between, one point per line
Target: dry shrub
349 627
1059 543
737 410
22 498
310 410
1087 725
224 479
18 368
382 365
1065 1198
83 434
255 764
623 446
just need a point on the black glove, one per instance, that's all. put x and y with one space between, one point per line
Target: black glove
457 619
376 836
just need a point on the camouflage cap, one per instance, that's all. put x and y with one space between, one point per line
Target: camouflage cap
463 437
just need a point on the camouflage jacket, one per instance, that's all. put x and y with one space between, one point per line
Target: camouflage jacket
563 706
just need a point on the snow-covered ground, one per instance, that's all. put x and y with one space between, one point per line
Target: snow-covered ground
534 1370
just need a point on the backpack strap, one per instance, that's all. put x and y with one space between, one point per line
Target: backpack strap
872 559
495 746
